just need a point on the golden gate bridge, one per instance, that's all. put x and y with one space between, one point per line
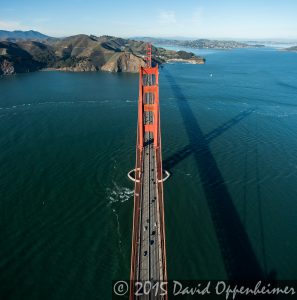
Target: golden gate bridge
148 254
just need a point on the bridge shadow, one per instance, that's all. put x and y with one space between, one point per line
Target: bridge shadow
239 258
180 155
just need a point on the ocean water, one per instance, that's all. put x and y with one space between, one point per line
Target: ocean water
67 141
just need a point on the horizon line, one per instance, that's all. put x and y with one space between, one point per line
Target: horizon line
268 39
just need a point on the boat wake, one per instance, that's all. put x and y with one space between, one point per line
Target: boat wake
118 194
115 196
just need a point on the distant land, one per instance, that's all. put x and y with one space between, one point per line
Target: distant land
82 53
22 35
294 48
199 44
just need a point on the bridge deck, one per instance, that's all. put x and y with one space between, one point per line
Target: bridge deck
149 250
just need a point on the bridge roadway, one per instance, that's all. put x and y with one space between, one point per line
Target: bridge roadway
149 266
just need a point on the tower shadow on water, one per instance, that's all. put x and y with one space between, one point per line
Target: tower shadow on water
239 258
183 153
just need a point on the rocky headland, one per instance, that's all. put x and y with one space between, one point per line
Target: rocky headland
83 53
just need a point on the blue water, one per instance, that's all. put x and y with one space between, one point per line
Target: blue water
67 141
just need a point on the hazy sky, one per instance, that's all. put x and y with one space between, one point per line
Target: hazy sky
245 19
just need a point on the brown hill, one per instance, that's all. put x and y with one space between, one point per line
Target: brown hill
83 53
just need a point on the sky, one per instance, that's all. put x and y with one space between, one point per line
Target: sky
238 19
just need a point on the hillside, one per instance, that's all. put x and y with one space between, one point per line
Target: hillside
83 53
22 35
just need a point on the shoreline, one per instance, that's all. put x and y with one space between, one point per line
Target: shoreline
177 60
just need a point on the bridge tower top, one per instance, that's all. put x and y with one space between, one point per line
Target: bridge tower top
148 55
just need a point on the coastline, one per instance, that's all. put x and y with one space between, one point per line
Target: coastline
186 61
177 60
